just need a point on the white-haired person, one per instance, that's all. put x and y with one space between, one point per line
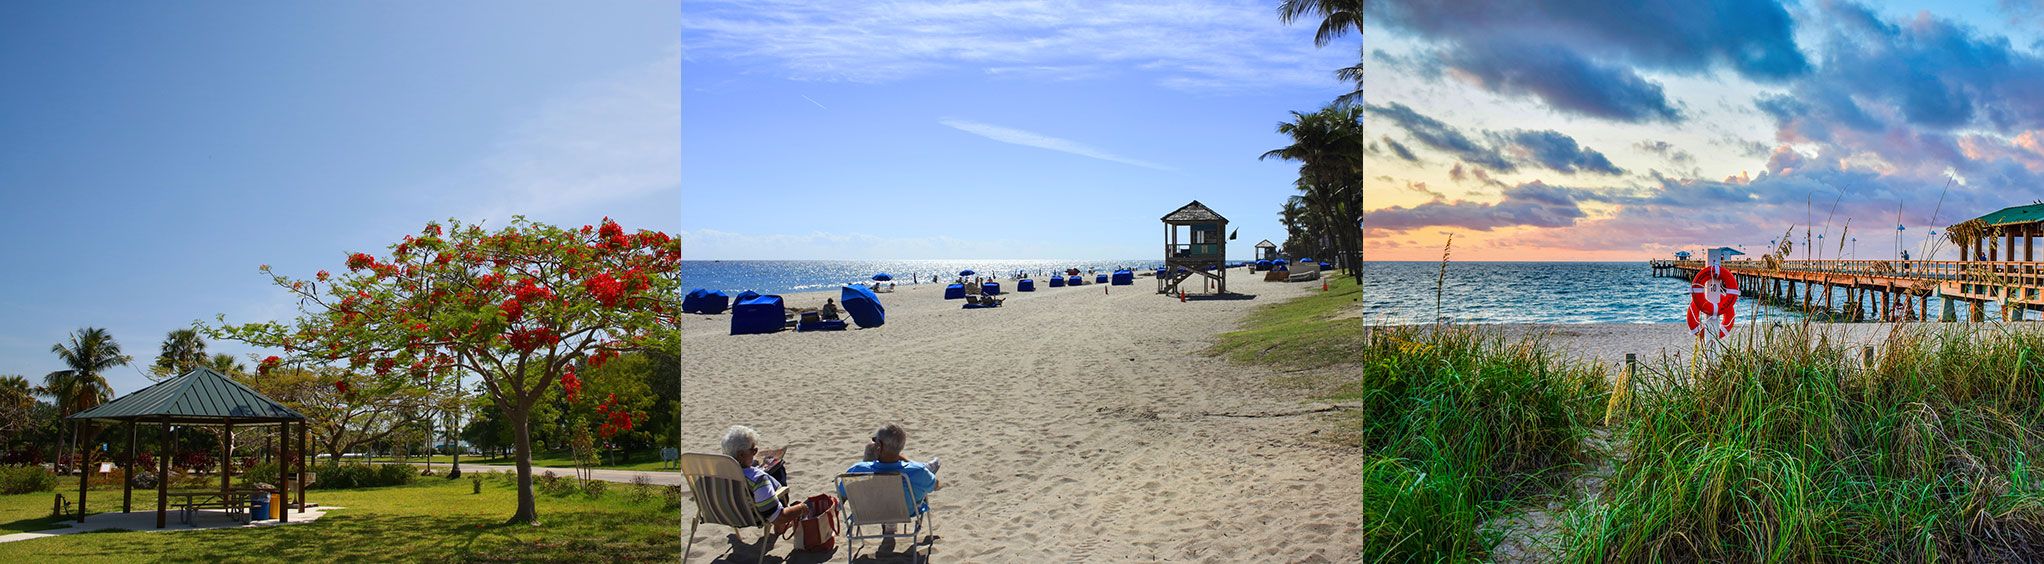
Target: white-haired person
742 443
883 454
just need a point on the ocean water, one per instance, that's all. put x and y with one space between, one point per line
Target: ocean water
1533 292
790 276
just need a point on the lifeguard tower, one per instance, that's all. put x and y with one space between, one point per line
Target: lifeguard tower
1195 244
1266 250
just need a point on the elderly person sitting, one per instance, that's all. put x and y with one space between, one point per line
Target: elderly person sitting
741 443
883 454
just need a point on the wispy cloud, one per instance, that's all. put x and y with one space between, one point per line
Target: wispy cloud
1032 139
1201 46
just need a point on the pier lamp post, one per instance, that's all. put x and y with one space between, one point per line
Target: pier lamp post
1820 246
1855 248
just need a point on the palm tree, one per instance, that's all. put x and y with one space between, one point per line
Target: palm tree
1328 145
183 351
90 353
1337 18
227 365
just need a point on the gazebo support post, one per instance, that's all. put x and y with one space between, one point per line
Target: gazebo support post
304 438
226 456
163 475
283 469
78 437
128 473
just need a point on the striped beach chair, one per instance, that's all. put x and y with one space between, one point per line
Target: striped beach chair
723 497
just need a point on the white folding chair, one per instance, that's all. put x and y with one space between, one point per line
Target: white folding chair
723 497
884 498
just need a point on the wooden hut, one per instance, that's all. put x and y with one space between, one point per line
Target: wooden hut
1989 246
1195 244
1266 250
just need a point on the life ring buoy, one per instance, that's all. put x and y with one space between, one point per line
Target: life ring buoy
1703 305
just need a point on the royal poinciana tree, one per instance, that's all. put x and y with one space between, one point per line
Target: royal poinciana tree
519 307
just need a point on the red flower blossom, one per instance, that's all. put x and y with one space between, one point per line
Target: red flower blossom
360 261
605 289
341 385
601 357
322 276
571 384
512 310
610 229
433 229
525 340
529 291
268 364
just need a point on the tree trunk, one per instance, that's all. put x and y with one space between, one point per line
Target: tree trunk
528 511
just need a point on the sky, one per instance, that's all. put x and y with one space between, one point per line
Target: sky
985 130
1545 130
153 156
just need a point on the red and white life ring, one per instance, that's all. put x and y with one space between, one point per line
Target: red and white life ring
1706 302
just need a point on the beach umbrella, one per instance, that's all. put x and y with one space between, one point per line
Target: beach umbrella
883 277
966 272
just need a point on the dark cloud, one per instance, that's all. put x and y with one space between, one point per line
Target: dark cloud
1399 150
1924 72
1667 151
1532 204
1564 79
1559 152
1443 137
1754 38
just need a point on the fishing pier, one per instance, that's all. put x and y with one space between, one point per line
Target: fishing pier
1997 263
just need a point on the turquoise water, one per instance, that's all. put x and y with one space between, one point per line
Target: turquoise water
790 276
1532 292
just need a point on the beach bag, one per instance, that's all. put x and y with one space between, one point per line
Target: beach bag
817 532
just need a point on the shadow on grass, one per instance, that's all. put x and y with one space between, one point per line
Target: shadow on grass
37 524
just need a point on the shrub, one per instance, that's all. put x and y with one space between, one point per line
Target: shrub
359 475
670 497
261 473
553 484
26 479
594 488
642 488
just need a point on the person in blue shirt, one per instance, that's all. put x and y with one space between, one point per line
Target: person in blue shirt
883 454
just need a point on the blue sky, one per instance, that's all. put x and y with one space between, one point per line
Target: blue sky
153 155
995 130
1536 129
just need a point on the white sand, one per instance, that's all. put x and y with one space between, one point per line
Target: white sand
1073 425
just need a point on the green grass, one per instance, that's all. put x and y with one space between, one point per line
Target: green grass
1314 331
643 461
30 512
1792 449
433 520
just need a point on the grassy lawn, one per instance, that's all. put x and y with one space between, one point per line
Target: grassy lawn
644 461
25 513
430 520
1314 331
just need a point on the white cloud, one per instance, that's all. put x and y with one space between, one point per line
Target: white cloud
1236 45
608 142
712 244
1032 139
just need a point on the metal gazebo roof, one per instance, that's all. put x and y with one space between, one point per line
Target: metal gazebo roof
199 397
2031 213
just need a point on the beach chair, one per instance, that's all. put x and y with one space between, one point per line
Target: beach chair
723 497
882 498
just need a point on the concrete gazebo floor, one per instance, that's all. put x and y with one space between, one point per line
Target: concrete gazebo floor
146 522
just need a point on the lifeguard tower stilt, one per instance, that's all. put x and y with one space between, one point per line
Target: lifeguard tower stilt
1195 244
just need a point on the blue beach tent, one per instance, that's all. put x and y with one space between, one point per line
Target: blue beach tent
863 306
705 301
1307 259
1100 278
762 314
954 292
1124 278
1263 264
1074 280
1057 282
883 277
1025 285
990 288
1279 262
745 295
1325 266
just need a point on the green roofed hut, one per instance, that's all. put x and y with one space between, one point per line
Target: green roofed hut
199 397
1194 246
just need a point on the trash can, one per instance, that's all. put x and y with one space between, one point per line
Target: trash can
259 506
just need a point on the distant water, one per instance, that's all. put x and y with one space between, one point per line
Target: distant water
790 276
1532 292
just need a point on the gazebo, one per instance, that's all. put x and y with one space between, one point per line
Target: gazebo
199 397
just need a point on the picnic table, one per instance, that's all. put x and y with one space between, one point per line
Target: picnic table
235 501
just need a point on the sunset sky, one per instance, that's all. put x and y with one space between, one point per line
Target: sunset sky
1550 130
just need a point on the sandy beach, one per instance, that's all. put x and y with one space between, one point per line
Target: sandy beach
1074 425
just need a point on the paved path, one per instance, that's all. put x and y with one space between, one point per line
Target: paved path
657 477
146 521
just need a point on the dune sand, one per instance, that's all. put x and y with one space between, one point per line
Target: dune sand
1073 425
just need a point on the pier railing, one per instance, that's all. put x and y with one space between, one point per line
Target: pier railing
1952 277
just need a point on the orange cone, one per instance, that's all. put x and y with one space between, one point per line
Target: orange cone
1181 295
1323 284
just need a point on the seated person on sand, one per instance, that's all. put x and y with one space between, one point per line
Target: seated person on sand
830 308
742 443
883 454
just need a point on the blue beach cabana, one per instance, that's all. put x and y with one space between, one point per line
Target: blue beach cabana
1025 285
990 288
705 301
863 306
761 314
954 292
1074 280
1057 282
1124 278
